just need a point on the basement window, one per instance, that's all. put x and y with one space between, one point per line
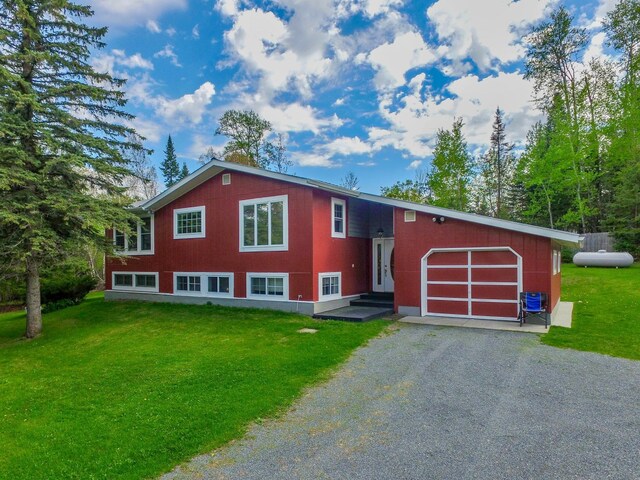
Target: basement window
330 285
135 281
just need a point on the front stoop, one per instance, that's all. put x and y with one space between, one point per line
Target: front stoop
368 307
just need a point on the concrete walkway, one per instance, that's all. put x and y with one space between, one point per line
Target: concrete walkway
561 318
426 402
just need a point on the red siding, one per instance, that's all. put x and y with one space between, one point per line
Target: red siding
219 250
349 255
414 239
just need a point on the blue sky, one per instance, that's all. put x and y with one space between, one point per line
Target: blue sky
355 85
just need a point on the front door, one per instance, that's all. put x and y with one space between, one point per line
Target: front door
383 264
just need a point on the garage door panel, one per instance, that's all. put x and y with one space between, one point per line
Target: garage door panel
448 258
494 275
482 282
484 257
497 292
482 309
448 274
454 291
446 307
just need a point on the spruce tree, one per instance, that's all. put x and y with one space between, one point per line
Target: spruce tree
169 167
184 172
61 147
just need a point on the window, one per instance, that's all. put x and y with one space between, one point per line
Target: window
139 241
274 286
204 284
330 285
409 215
226 179
554 262
134 281
264 224
218 284
189 222
145 281
123 280
338 218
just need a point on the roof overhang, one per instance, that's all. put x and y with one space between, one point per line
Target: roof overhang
214 167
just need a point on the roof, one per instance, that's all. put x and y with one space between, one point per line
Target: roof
214 167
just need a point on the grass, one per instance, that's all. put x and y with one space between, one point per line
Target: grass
130 389
606 315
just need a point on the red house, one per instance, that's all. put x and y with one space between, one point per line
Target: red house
241 236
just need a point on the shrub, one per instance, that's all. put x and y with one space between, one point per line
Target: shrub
59 305
65 286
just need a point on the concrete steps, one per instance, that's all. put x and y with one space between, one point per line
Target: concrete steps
367 307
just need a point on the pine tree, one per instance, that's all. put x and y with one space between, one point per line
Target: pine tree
497 168
169 167
61 160
184 172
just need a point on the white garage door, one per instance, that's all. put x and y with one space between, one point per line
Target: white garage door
481 282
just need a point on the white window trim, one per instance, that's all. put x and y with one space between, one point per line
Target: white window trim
133 288
137 251
204 284
273 298
285 224
177 235
409 216
226 179
338 201
326 275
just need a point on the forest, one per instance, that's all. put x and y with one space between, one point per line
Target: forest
579 169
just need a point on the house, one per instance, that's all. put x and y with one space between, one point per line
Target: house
241 236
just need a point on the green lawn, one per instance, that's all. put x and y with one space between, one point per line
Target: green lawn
606 311
129 389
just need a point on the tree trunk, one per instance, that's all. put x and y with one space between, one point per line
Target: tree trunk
34 315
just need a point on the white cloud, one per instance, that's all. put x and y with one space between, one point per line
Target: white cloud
339 102
347 146
107 62
295 117
153 26
378 7
195 31
313 160
415 165
393 60
199 145
189 108
595 48
227 8
167 52
170 31
280 56
604 7
415 117
149 129
128 12
486 31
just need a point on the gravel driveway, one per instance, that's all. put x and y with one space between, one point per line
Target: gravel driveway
444 403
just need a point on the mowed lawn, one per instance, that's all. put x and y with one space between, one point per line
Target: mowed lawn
130 389
606 311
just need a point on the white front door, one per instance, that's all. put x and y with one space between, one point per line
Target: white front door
383 265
